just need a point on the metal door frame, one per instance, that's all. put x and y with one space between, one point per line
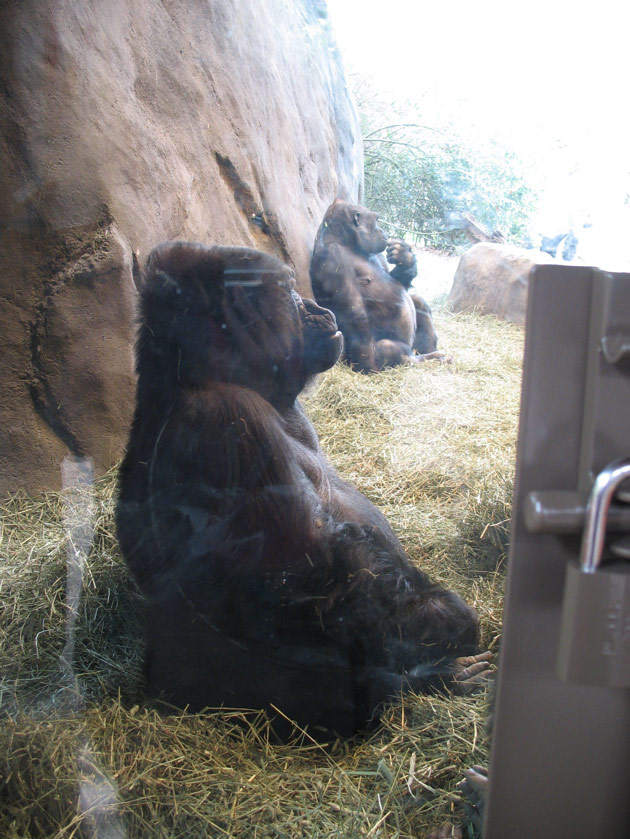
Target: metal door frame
560 761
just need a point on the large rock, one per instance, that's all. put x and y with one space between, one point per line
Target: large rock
493 279
123 125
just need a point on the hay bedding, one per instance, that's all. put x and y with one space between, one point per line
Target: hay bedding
82 756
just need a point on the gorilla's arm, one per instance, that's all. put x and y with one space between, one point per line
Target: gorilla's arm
405 269
220 482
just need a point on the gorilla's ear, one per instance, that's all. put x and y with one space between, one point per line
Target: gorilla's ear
357 219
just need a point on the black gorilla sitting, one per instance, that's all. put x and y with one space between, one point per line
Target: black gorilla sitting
269 580
383 323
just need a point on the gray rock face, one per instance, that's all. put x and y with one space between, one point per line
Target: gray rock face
493 279
123 125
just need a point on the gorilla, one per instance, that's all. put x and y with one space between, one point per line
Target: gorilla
269 581
382 323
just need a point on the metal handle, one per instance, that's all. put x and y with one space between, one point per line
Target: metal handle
597 510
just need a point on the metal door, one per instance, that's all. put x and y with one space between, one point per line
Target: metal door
560 763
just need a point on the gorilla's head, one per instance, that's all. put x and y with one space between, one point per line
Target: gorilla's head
353 226
229 314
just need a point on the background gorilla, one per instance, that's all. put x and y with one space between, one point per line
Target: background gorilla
381 322
269 580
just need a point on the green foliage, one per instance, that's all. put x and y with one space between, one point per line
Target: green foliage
420 178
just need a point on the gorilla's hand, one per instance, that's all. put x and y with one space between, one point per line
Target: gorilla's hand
471 672
399 253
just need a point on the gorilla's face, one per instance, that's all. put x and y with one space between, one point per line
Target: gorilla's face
370 237
354 226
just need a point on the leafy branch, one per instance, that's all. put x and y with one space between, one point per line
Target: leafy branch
419 177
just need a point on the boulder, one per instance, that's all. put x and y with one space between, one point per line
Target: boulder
493 279
123 125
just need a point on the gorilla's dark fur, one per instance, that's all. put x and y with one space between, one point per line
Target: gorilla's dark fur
382 323
269 580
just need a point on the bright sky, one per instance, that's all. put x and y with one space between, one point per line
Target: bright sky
551 79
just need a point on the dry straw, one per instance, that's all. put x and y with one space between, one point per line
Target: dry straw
81 755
